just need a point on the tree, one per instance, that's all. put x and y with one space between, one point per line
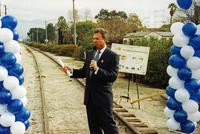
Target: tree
61 26
134 22
37 33
104 14
51 32
117 24
172 7
70 16
82 28
87 14
116 28
196 16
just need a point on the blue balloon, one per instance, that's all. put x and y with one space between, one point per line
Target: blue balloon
16 70
177 61
1 85
4 130
26 123
189 29
197 53
8 60
15 106
195 41
184 73
192 85
21 79
180 116
1 49
197 96
173 104
187 127
184 4
170 91
175 50
194 98
9 22
23 115
5 96
15 35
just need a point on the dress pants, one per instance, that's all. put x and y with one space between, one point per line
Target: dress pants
100 119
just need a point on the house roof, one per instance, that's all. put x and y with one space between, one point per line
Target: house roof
138 34
165 34
142 34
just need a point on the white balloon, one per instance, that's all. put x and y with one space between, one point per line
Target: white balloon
3 108
187 52
18 128
18 58
195 124
12 46
198 29
196 74
19 92
171 71
24 101
176 83
168 112
11 83
180 40
182 95
173 125
194 116
3 73
193 63
190 106
7 119
176 28
5 35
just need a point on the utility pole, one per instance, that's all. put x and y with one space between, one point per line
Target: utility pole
74 23
37 35
5 10
46 40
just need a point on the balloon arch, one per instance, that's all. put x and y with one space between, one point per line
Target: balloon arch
13 114
184 70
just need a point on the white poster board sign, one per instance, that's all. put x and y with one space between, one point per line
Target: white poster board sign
133 59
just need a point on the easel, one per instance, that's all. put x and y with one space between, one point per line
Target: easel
131 77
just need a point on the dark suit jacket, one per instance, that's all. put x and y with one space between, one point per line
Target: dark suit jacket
99 86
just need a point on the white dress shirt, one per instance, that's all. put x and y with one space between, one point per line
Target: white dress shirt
102 50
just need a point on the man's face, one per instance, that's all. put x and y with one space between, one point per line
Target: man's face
99 42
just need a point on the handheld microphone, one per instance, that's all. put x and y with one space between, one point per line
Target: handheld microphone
92 57
94 52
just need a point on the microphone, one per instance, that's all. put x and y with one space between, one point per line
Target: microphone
94 52
92 58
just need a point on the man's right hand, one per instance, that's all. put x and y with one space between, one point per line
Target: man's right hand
67 68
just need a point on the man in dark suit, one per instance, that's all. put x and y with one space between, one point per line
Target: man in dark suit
100 70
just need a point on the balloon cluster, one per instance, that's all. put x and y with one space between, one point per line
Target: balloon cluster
13 115
184 69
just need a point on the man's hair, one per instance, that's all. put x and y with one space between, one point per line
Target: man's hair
102 31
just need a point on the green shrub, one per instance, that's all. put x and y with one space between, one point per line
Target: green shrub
158 61
62 50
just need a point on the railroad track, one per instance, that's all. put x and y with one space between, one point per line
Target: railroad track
59 108
132 124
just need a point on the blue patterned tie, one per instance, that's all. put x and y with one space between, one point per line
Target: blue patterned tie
97 56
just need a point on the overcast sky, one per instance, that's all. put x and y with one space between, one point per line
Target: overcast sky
48 9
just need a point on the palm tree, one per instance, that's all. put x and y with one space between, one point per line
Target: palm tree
172 7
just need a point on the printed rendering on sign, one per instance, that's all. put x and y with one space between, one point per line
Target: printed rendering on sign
133 59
